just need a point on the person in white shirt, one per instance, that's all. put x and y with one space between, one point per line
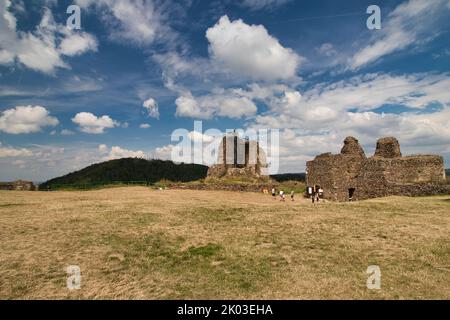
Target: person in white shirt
282 195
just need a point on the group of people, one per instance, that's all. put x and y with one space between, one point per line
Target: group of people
282 195
315 193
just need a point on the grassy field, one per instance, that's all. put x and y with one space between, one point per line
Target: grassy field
137 243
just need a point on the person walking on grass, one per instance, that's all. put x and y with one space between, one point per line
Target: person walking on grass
292 195
282 196
274 194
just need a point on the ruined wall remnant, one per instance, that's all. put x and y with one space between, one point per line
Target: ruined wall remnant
239 158
353 148
18 185
388 148
351 175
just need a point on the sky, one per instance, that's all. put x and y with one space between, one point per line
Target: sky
137 70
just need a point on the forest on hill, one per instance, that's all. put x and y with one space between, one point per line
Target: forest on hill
129 170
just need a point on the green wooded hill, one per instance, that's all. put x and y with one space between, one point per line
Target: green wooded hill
130 170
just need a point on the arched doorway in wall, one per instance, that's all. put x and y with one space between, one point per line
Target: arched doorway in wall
351 192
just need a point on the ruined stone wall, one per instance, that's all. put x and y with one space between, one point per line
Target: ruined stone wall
346 170
420 189
336 174
415 169
371 181
320 172
238 157
381 177
19 185
386 173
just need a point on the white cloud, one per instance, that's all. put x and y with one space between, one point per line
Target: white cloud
221 102
40 50
144 126
232 103
78 43
66 132
47 162
26 119
324 104
327 49
249 50
10 152
411 23
141 22
187 106
164 153
119 153
200 137
103 148
89 123
152 108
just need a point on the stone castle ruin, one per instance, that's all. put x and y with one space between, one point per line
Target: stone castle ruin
19 185
239 158
351 175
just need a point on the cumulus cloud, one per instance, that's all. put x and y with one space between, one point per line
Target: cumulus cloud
144 126
410 23
151 106
103 148
89 123
117 152
200 137
164 153
221 102
265 58
78 43
10 152
232 103
47 161
26 119
324 104
42 49
141 22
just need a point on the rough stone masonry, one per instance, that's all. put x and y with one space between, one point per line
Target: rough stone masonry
351 175
239 158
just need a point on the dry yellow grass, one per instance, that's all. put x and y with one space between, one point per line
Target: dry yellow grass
135 243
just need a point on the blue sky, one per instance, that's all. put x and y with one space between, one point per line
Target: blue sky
137 70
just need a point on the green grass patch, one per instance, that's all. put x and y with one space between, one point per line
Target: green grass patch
205 251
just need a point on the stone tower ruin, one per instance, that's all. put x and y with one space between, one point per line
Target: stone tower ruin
351 175
239 158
